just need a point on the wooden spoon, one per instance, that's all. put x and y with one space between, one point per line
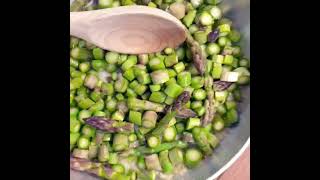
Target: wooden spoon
128 29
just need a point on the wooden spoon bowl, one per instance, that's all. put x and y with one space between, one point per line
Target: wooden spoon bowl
128 29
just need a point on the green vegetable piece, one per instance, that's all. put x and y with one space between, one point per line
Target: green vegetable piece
113 158
120 142
159 76
80 54
83 142
129 74
193 122
169 134
135 117
201 37
152 162
171 60
228 60
85 103
129 63
206 18
184 79
173 90
156 64
216 71
158 97
153 141
176 156
118 115
155 87
103 154
179 67
192 157
98 53
74 138
189 18
217 123
231 117
149 119
199 94
166 165
112 57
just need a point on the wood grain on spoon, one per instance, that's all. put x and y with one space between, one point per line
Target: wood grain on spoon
128 29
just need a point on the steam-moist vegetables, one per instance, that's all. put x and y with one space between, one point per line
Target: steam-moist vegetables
135 116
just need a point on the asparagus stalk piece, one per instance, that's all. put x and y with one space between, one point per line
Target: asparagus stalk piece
103 154
152 162
201 139
120 142
165 163
98 169
197 55
176 156
149 119
182 99
172 111
221 85
81 54
187 137
138 105
81 153
185 113
210 109
178 104
177 9
193 157
159 76
109 125
205 140
209 102
163 124
93 151
213 140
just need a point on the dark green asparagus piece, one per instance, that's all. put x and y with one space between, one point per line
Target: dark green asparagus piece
109 125
172 111
185 113
197 55
210 109
163 124
205 140
202 141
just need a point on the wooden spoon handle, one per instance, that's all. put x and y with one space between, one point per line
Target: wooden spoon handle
128 29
